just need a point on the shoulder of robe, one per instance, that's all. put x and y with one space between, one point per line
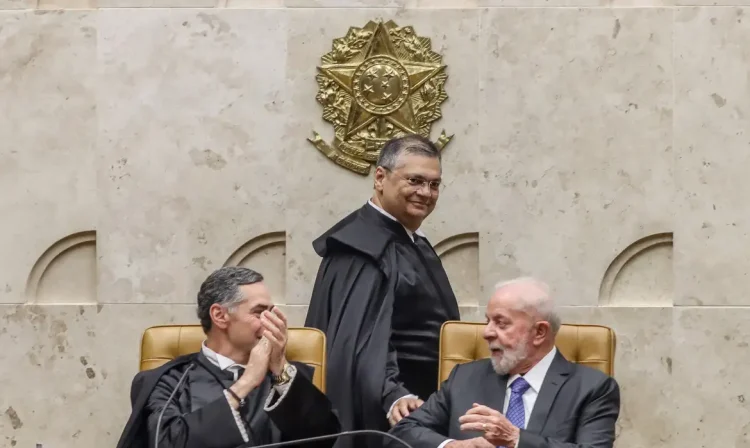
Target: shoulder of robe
171 372
359 234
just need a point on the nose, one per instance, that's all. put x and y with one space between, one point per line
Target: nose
488 333
424 189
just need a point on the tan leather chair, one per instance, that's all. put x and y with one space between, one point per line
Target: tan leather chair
163 343
590 345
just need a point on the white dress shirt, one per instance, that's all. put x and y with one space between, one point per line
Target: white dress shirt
411 234
224 363
535 378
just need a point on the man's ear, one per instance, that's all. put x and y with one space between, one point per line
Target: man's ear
219 316
542 329
379 178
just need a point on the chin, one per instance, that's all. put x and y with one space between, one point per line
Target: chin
419 211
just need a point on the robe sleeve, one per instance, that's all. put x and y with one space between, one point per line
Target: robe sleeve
304 411
211 426
352 302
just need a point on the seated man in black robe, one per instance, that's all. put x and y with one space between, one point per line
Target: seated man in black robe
527 395
238 390
382 295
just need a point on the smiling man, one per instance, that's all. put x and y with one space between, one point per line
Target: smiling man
238 389
381 294
527 395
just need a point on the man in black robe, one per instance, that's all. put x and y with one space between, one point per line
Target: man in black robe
238 390
381 295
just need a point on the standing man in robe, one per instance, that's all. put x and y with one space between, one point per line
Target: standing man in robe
381 295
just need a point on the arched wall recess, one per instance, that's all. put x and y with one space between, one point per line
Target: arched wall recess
641 275
66 273
460 257
266 254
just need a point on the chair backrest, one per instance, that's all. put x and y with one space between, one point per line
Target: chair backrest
590 345
163 343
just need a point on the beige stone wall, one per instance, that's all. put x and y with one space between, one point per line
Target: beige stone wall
601 145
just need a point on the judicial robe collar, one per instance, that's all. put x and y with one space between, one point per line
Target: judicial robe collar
366 230
388 215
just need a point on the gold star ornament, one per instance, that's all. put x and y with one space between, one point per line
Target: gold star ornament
378 82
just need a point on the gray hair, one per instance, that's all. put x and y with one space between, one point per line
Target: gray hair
222 287
536 300
407 144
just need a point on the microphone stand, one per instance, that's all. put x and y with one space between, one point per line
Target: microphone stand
169 400
332 436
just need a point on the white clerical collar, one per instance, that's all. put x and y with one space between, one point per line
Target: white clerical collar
535 376
217 359
411 234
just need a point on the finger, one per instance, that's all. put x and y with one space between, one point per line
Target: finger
414 404
472 418
420 402
403 407
482 410
272 339
273 317
472 427
277 311
273 329
396 414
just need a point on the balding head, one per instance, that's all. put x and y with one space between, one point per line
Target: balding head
531 296
521 324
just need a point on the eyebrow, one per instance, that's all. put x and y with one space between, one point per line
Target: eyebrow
261 307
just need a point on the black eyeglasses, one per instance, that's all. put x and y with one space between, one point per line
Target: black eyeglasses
417 183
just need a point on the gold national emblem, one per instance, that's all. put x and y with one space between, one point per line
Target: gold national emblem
378 82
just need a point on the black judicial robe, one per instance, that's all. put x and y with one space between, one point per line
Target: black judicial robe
381 299
199 415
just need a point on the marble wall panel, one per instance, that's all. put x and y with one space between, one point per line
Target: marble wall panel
712 137
644 366
17 4
576 143
191 110
712 403
345 3
47 137
250 4
582 3
67 4
157 3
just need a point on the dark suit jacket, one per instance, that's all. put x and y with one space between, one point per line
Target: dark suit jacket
199 414
577 407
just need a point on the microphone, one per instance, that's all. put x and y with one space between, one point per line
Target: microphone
333 436
169 400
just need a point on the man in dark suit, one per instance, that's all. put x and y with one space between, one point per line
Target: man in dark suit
527 395
238 389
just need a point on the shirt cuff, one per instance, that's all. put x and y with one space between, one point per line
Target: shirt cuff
388 415
280 389
237 419
442 445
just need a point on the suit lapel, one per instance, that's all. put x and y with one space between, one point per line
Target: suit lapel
557 375
495 388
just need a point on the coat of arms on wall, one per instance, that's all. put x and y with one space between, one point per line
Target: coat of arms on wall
378 82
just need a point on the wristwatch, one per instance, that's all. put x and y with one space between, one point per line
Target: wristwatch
284 377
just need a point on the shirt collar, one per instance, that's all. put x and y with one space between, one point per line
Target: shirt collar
535 376
220 361
411 234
